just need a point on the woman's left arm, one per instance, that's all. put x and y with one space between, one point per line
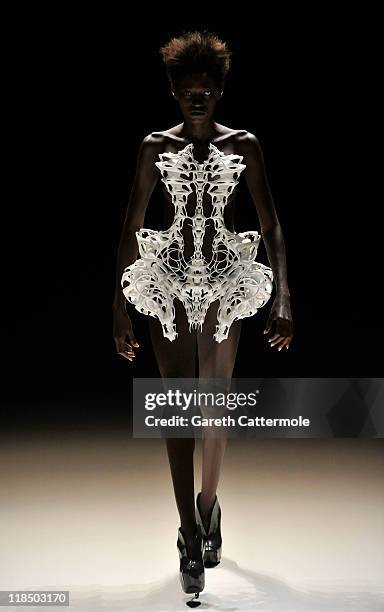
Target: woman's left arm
257 182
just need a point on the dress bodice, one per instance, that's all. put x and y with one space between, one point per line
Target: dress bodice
198 225
218 176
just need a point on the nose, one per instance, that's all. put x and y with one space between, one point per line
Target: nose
197 102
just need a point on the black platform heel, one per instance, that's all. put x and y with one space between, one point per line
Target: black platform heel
212 542
192 576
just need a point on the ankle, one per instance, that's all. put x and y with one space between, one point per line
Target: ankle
189 535
188 531
206 506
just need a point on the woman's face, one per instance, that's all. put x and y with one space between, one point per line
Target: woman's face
197 95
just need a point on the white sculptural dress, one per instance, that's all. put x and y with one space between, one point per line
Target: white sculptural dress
230 274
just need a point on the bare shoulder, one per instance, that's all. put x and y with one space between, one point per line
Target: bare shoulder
248 145
161 141
153 141
150 146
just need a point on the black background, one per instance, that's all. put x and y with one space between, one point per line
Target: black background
92 86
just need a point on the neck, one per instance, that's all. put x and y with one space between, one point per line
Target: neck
201 132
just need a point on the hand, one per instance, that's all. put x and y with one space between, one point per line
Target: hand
280 315
122 328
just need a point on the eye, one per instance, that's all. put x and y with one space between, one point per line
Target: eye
208 92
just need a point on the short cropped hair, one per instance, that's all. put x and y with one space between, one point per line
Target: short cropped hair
196 52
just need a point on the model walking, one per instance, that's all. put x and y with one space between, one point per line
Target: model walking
198 278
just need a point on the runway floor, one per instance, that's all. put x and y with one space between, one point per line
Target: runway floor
94 513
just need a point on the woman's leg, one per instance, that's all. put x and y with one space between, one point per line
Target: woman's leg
216 360
177 360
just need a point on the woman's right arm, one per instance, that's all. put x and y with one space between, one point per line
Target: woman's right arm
144 182
145 179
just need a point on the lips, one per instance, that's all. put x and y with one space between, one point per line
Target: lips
198 112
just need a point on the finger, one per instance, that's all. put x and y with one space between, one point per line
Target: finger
132 339
124 351
123 346
125 355
283 344
277 341
128 348
129 351
289 341
272 338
